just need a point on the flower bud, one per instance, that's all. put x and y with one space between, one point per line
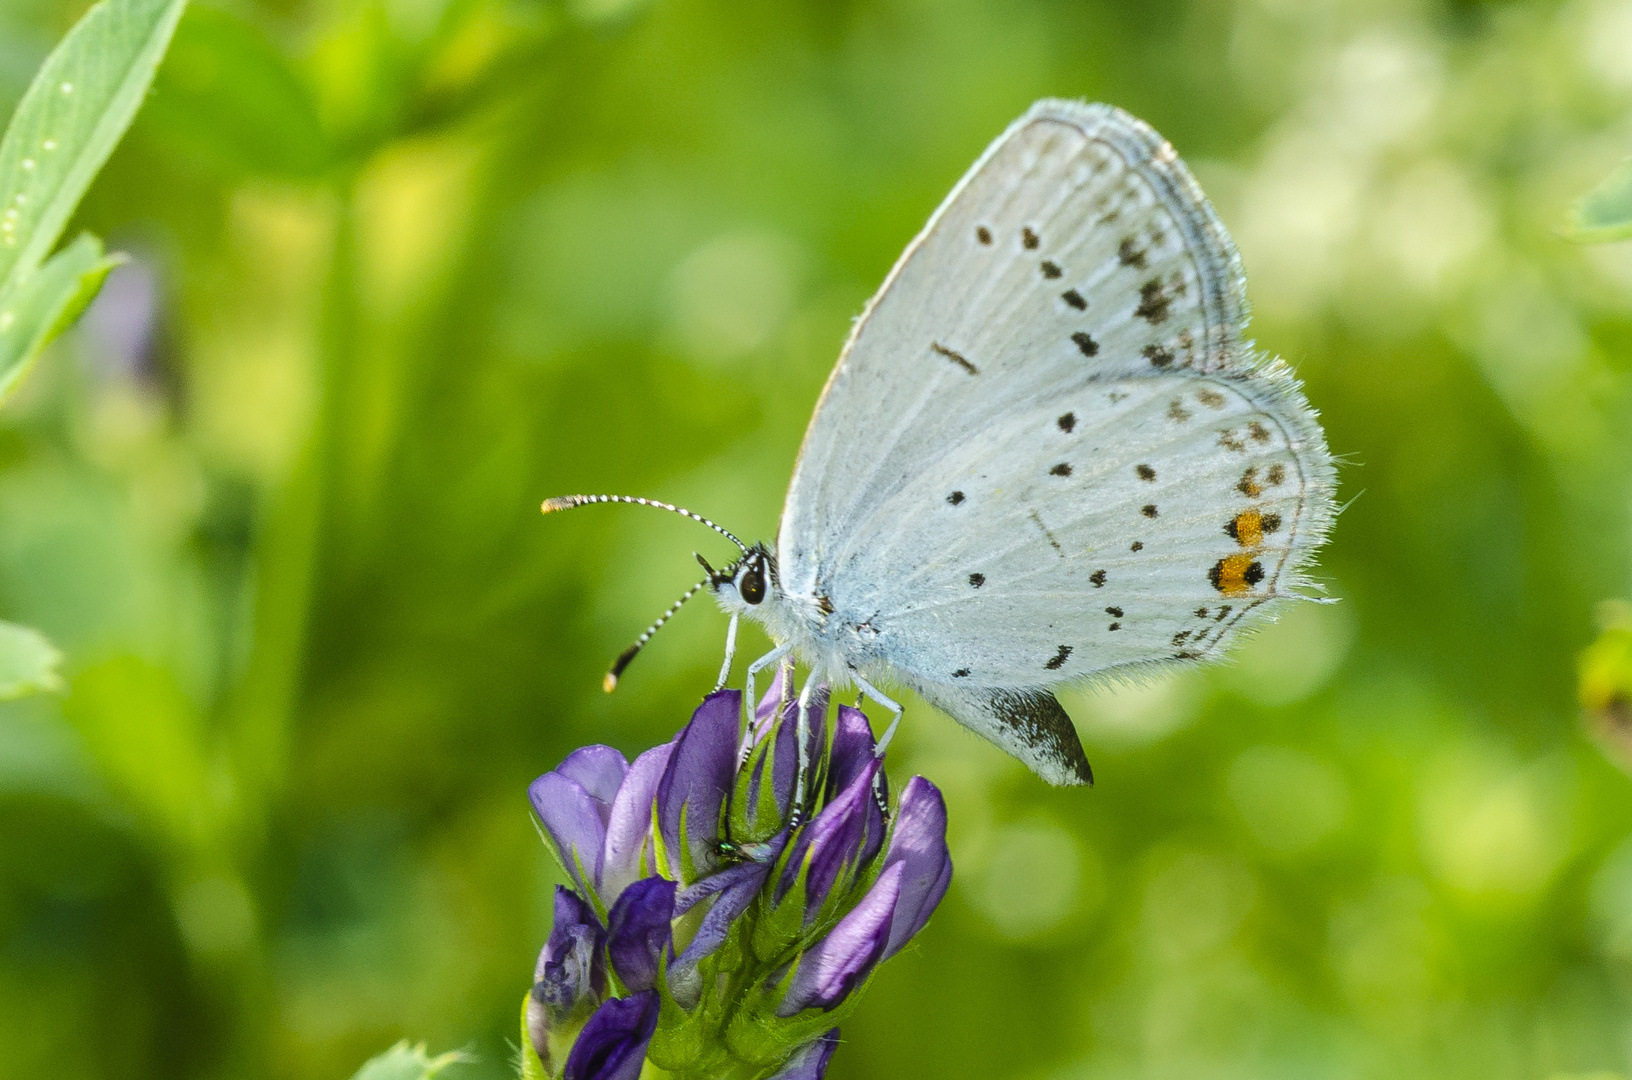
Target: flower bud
612 1045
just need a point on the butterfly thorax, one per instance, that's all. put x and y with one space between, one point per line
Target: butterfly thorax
828 643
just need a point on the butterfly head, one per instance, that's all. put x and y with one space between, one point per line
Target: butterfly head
746 583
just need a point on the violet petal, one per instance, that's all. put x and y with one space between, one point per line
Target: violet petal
839 962
688 897
576 822
787 759
851 750
696 782
712 931
630 824
918 845
765 711
809 1062
570 967
637 933
612 1045
597 769
847 833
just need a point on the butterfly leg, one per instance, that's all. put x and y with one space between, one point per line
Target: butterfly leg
869 690
750 701
802 739
730 653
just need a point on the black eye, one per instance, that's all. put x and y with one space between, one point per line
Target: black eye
752 586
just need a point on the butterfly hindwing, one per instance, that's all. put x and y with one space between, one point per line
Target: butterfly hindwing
1029 724
1032 555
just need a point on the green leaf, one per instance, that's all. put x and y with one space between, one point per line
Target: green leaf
46 303
404 1062
1605 212
28 662
227 93
69 121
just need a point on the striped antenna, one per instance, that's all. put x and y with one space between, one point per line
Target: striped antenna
567 502
610 683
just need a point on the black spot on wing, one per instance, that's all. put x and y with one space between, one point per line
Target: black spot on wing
1075 299
1028 239
1115 611
1098 578
961 673
1129 253
1059 658
1086 343
1145 472
956 357
1062 469
977 580
1149 510
1067 422
955 498
983 234
1153 302
1051 270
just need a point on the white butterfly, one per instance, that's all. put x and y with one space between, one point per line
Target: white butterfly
1047 454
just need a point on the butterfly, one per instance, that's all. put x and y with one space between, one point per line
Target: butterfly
1046 456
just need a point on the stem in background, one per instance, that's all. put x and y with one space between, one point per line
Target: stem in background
265 706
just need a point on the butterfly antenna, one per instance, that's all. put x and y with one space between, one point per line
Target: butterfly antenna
610 683
567 502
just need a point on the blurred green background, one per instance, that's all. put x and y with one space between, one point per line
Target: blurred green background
405 267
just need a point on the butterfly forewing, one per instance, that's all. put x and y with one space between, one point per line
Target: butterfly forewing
1076 244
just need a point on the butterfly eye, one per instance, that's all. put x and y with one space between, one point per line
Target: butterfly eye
751 586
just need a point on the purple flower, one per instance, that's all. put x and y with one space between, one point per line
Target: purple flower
843 838
612 1045
738 935
853 749
918 846
839 962
809 1062
597 811
692 792
638 931
784 726
571 969
571 966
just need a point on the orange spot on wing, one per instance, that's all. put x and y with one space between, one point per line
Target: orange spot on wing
1248 528
1235 575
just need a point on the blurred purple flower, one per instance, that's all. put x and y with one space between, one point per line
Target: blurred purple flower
122 322
809 1062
